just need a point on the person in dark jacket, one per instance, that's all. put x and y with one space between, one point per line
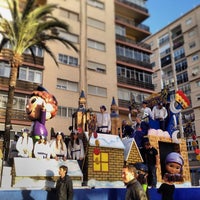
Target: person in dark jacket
135 190
64 186
166 189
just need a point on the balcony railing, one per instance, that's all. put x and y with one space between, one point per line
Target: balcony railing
132 23
133 82
6 54
15 114
123 103
134 62
133 5
21 85
127 40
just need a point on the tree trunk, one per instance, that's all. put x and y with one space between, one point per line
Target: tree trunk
8 117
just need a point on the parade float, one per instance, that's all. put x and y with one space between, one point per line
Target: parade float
105 154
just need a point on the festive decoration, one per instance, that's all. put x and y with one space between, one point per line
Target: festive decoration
41 107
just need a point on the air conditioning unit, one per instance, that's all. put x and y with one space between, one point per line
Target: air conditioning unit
166 82
194 73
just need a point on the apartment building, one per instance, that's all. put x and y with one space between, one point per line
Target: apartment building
112 61
175 61
134 72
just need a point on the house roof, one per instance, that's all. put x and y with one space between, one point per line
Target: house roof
106 140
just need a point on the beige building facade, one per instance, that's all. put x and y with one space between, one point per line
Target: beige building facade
111 62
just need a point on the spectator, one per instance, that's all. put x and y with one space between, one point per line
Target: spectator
134 188
24 145
75 148
142 174
150 157
42 148
166 189
103 121
64 186
58 147
159 113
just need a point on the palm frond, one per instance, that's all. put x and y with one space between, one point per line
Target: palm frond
3 42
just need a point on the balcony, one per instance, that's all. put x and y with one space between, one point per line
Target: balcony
123 103
132 23
21 85
16 114
133 82
6 54
127 8
133 42
134 62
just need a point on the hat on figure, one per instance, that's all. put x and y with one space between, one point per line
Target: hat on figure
103 107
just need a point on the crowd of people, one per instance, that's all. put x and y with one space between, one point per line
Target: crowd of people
56 148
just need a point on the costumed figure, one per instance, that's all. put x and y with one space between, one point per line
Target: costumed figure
180 102
24 145
76 149
42 148
41 107
103 121
58 147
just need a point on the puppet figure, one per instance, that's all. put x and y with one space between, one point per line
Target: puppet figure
173 164
41 107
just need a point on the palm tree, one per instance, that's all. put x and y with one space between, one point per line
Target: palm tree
31 25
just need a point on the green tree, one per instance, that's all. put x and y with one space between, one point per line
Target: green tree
31 25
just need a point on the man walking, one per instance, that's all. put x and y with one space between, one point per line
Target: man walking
64 187
134 189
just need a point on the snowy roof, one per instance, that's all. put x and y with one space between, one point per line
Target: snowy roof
106 140
128 142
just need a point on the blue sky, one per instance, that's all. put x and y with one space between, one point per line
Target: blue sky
163 12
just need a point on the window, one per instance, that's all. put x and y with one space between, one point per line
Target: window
178 54
100 162
4 69
188 21
134 74
95 90
182 65
67 85
96 4
98 67
195 57
36 50
70 37
195 71
31 75
69 14
182 78
66 111
96 45
198 83
191 33
68 60
192 44
132 54
96 23
163 39
119 30
19 103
